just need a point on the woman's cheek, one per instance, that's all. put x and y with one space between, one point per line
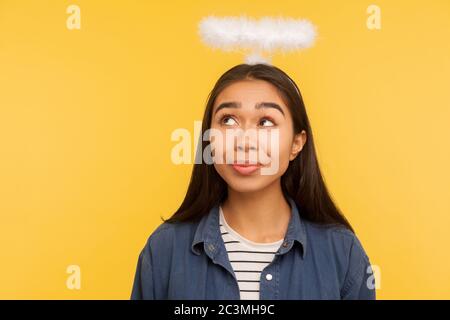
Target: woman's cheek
278 151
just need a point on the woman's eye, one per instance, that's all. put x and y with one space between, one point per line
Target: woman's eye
266 123
229 121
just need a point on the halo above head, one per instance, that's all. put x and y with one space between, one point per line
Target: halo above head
261 37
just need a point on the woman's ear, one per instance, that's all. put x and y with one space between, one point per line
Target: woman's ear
297 144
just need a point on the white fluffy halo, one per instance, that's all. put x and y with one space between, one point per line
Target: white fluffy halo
258 36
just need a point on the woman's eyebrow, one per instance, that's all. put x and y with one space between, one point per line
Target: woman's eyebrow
269 105
258 105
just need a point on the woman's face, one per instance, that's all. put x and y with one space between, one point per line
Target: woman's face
252 135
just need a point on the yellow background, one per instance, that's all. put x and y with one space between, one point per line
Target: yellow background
86 117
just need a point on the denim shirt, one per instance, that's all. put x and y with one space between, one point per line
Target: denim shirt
189 261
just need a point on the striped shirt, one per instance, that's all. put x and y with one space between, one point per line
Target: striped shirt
248 258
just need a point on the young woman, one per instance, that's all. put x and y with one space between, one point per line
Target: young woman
242 234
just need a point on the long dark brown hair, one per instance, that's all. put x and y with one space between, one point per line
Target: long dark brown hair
302 181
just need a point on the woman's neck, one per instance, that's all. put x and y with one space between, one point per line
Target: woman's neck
261 216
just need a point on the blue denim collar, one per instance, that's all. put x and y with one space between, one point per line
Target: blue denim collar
208 232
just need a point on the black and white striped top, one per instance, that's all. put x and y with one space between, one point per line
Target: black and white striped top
248 258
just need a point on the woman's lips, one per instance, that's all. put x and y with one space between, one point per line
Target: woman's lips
245 169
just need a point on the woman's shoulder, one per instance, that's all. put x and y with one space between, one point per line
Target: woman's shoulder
338 248
338 238
167 233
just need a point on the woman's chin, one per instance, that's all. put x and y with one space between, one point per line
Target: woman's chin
244 185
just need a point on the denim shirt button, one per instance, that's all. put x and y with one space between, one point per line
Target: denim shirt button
211 247
285 244
269 276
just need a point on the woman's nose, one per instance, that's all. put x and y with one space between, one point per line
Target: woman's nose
246 147
247 141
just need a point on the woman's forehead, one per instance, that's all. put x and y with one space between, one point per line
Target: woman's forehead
250 92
